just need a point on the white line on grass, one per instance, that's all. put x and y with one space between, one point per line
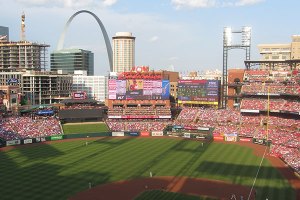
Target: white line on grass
262 159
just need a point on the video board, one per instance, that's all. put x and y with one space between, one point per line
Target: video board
138 89
205 91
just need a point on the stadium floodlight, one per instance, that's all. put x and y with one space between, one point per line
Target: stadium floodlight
227 36
246 36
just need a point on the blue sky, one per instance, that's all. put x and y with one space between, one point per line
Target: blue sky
182 34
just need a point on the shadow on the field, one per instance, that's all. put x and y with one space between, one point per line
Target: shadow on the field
235 170
45 151
43 180
269 182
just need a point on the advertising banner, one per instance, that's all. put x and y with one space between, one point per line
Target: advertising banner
145 133
187 135
203 128
13 142
112 92
79 95
117 134
27 141
218 138
42 139
157 133
245 139
45 112
138 89
56 137
134 134
114 117
164 116
165 89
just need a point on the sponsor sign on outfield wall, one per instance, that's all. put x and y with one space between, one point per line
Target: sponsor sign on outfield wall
42 139
117 134
187 135
245 139
56 137
134 134
218 137
13 142
27 141
145 133
157 133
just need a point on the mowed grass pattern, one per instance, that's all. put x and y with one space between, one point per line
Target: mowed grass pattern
59 170
84 128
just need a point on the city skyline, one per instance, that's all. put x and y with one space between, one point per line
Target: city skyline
182 34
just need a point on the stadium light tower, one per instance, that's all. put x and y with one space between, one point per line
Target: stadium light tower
244 44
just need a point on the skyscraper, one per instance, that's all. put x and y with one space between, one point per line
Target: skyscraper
69 60
123 52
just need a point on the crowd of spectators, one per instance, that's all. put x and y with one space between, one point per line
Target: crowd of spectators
274 104
139 110
289 155
272 88
22 127
254 104
137 125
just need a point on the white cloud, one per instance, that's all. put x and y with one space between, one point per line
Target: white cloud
154 38
193 3
67 3
247 2
109 2
173 58
178 4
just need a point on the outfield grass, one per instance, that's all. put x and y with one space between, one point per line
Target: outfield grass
158 194
84 128
59 170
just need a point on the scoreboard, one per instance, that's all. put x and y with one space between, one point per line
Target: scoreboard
138 89
198 91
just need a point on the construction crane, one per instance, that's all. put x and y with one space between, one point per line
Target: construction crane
23 27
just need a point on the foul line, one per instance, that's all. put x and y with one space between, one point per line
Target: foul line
257 172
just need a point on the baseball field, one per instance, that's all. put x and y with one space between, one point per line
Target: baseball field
60 170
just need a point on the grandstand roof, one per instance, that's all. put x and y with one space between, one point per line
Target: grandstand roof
80 114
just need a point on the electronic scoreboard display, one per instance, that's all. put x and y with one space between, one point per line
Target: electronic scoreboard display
198 91
138 89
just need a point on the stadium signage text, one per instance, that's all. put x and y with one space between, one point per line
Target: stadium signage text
13 142
117 134
27 141
157 133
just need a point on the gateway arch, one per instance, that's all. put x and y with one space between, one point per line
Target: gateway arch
104 33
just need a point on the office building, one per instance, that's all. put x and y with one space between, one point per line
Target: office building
280 52
38 87
94 86
123 52
23 55
70 60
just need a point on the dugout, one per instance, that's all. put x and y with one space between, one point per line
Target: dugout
81 115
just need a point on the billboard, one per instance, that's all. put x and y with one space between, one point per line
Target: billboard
79 95
138 89
205 91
